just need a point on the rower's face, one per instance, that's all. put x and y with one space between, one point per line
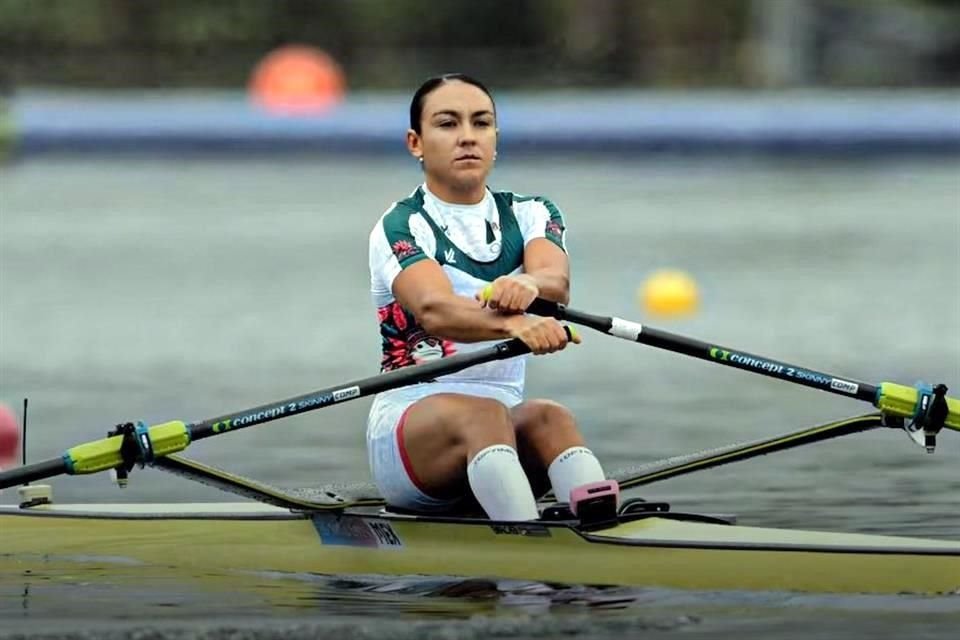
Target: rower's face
458 134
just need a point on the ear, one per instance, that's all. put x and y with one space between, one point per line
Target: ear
414 144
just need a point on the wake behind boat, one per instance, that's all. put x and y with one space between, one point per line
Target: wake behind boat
349 530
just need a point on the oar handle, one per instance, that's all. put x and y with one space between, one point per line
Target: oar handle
546 308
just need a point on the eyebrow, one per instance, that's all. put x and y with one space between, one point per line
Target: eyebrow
456 114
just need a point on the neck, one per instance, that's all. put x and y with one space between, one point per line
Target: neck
457 194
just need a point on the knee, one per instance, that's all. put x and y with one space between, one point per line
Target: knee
482 420
536 415
494 418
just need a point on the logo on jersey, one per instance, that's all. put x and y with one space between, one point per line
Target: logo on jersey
403 249
405 342
426 348
554 229
449 256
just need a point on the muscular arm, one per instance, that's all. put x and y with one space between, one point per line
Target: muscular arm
424 290
548 266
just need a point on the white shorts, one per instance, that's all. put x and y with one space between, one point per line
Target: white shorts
389 463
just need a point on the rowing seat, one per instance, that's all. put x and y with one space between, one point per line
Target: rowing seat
466 508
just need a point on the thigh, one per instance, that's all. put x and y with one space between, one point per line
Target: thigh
439 434
388 464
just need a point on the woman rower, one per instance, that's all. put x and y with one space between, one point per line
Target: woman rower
431 254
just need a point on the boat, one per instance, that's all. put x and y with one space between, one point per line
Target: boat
349 530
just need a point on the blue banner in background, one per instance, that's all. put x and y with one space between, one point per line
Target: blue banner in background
795 122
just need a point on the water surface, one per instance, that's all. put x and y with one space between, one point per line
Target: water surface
155 290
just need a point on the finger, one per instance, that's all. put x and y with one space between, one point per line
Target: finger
564 340
510 300
551 336
547 342
530 339
537 347
523 298
560 335
557 344
543 342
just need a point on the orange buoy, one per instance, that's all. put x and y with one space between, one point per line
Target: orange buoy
297 80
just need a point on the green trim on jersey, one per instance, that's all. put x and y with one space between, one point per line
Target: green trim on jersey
396 225
511 245
555 227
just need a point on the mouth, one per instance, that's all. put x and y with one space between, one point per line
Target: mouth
467 157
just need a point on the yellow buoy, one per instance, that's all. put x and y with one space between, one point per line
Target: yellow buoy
669 293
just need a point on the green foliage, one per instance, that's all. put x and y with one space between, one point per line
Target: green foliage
395 43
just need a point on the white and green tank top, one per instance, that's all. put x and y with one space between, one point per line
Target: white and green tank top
474 245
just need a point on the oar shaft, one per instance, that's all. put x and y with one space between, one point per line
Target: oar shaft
171 437
758 364
636 332
32 472
680 465
352 390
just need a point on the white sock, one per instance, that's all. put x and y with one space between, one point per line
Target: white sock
574 467
500 485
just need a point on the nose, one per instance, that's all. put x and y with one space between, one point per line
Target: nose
468 135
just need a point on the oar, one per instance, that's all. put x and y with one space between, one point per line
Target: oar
679 465
140 444
928 407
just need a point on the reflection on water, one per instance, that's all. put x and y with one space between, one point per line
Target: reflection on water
278 605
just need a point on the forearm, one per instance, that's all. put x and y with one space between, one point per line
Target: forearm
463 320
554 284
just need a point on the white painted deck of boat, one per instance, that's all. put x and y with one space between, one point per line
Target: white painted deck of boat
652 530
666 530
155 509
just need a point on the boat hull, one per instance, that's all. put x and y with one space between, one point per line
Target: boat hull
662 550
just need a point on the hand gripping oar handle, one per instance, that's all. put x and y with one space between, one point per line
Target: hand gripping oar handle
929 408
132 444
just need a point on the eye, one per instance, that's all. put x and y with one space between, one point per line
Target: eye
483 124
446 124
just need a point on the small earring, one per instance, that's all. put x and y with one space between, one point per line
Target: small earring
420 159
494 156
